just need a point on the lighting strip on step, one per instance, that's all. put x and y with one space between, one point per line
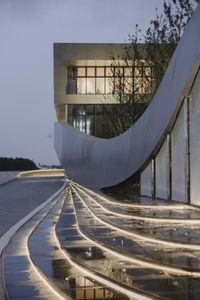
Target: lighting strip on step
146 264
40 274
159 207
139 218
142 237
133 294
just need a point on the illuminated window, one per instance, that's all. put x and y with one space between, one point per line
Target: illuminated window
109 86
100 72
81 85
100 86
91 72
81 72
110 80
90 85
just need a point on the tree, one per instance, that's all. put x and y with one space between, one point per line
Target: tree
16 164
147 55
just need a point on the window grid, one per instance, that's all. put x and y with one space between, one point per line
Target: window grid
81 77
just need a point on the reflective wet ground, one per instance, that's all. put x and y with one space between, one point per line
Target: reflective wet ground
71 250
155 211
21 280
157 283
183 233
34 263
145 251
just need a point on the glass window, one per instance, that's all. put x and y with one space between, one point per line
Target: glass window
81 71
109 127
72 88
119 71
109 71
89 125
109 86
138 85
108 108
99 108
147 71
72 72
90 85
119 85
70 120
71 109
80 123
99 126
138 71
100 72
128 85
89 108
81 85
80 109
100 86
147 85
90 71
128 71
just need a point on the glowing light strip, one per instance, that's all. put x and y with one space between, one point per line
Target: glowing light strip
159 207
143 263
40 274
39 173
142 237
42 277
148 219
98 278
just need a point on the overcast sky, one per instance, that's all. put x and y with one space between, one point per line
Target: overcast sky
28 29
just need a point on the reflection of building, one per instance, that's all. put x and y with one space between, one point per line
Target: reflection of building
86 84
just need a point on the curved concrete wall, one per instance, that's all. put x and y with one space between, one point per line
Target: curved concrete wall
99 162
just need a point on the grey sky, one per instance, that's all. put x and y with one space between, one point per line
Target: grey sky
28 29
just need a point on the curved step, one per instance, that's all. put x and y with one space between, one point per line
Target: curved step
22 279
94 259
58 268
149 280
158 214
127 229
140 203
145 254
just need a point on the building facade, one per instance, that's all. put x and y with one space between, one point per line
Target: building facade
88 79
163 145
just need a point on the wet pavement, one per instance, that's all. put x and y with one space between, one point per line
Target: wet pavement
150 212
181 233
137 201
21 280
36 268
75 249
153 282
132 247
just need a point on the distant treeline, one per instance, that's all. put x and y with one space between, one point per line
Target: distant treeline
16 164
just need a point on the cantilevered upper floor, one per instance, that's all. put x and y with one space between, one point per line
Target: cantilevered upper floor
87 80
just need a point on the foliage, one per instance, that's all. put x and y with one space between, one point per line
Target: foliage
148 55
16 164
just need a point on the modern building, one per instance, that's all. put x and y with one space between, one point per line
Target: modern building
87 81
163 145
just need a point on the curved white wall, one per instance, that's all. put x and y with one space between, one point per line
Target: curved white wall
98 162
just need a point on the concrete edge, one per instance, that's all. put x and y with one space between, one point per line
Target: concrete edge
4 240
42 173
